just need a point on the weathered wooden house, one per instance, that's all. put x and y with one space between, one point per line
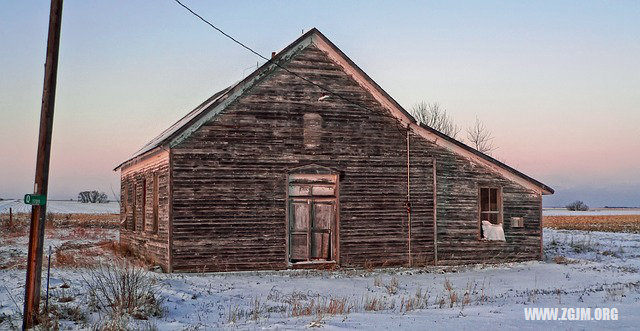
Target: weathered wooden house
307 162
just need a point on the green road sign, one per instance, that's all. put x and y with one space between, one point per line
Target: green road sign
34 199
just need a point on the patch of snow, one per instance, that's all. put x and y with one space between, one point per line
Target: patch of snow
593 269
62 207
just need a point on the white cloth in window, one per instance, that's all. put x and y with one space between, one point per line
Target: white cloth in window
492 231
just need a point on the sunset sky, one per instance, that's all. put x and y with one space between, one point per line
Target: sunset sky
557 82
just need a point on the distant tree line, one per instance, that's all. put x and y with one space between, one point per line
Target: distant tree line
92 197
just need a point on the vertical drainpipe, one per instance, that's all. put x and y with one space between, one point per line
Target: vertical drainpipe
409 198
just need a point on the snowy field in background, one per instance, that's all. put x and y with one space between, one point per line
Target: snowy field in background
582 269
63 207
591 212
74 207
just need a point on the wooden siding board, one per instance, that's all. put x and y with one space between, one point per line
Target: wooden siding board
240 161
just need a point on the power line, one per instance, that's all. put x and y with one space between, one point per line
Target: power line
219 30
264 58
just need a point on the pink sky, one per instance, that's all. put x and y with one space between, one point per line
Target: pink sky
558 84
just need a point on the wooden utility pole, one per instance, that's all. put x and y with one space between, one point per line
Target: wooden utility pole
39 211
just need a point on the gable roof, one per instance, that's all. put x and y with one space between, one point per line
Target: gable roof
188 124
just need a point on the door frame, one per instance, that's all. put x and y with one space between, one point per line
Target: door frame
314 169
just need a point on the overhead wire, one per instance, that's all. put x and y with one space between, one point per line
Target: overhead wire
266 59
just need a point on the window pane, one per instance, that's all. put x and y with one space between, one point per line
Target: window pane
320 246
493 218
484 199
300 215
299 247
322 190
297 190
494 199
323 216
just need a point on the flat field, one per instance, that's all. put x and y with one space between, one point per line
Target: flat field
606 223
62 207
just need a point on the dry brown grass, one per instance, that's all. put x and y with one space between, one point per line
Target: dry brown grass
18 228
378 304
14 262
21 222
64 259
123 288
88 238
319 306
76 255
607 223
117 248
563 260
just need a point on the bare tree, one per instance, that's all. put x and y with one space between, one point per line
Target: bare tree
480 137
436 117
92 197
577 205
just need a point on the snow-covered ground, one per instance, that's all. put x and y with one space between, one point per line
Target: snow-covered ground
582 269
77 242
62 207
591 212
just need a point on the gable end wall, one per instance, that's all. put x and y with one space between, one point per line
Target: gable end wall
229 182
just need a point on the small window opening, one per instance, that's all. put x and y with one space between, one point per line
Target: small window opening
144 204
133 205
155 203
491 214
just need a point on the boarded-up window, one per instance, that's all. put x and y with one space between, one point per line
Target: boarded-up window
517 222
312 130
155 203
144 204
133 206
